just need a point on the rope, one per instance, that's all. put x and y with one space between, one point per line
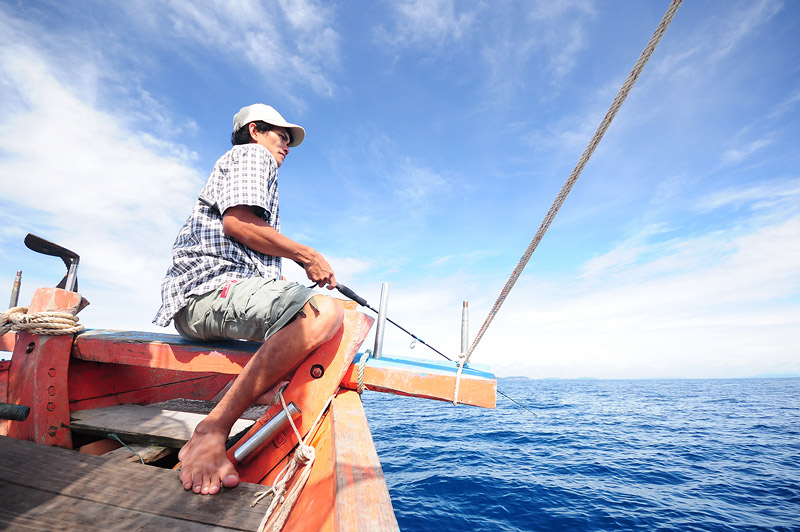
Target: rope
43 323
576 172
462 359
303 457
361 365
114 436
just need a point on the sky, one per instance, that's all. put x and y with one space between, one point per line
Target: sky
438 134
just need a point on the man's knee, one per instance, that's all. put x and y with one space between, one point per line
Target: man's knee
329 316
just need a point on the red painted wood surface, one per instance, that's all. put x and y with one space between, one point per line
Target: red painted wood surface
97 385
428 379
362 498
4 367
165 351
309 393
346 490
38 375
7 342
404 377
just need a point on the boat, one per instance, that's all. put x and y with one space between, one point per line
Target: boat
92 422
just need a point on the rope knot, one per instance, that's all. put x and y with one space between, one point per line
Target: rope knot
304 454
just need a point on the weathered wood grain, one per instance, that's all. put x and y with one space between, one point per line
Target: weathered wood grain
142 424
48 488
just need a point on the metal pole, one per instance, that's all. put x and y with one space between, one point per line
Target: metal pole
265 433
465 327
381 325
72 275
15 290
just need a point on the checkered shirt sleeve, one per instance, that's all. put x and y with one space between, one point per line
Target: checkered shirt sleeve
203 257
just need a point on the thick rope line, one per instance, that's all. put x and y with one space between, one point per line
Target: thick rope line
43 323
576 172
303 457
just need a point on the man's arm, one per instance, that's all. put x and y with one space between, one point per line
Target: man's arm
243 225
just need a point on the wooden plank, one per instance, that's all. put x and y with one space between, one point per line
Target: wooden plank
425 378
48 488
362 498
28 510
315 510
204 407
346 490
142 424
133 452
166 351
96 385
99 447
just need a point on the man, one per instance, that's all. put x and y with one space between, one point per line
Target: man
225 282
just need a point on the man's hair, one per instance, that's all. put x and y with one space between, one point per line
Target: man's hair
242 136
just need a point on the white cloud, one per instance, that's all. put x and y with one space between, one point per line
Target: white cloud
427 23
81 177
761 196
737 155
719 304
739 25
292 44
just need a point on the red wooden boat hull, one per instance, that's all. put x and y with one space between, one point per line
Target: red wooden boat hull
58 375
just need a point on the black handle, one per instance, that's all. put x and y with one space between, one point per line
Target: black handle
346 292
14 412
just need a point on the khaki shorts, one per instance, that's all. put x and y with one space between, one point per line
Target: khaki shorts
250 309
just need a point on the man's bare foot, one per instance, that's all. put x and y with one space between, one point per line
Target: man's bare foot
204 463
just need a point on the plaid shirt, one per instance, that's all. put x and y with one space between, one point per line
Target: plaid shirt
203 258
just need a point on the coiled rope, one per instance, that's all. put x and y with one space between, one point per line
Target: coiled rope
576 172
44 323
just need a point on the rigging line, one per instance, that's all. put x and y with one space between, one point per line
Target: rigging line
576 172
517 403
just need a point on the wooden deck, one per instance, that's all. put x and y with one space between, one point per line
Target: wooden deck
47 488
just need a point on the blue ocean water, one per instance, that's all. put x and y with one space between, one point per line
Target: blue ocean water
711 455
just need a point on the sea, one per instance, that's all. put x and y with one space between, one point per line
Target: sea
596 455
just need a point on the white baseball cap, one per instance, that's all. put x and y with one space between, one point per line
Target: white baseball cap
268 114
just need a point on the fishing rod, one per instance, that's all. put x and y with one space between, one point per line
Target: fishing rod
347 292
363 302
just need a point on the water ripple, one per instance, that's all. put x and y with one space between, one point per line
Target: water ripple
705 455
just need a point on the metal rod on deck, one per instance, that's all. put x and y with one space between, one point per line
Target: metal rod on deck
381 323
265 433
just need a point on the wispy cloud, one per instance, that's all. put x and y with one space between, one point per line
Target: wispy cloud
740 153
762 196
741 24
292 43
82 177
425 23
717 304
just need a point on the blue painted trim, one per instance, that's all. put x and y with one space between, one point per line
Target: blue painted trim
481 371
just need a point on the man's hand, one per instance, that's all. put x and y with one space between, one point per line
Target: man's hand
319 271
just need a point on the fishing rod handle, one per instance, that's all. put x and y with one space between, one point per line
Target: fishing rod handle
352 295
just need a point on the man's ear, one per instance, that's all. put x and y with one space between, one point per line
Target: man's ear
253 130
